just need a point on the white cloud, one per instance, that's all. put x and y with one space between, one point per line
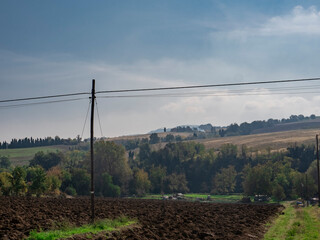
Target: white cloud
300 21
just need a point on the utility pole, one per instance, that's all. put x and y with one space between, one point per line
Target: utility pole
93 92
318 170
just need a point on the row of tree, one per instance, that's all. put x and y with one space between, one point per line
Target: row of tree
38 142
178 167
247 128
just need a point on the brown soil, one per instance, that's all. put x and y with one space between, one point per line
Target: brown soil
157 219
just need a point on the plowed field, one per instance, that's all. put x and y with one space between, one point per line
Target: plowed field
157 219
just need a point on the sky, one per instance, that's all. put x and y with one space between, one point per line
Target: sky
58 47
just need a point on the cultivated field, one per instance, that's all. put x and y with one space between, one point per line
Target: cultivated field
22 156
275 140
156 219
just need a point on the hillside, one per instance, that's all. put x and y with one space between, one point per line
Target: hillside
274 140
22 156
306 124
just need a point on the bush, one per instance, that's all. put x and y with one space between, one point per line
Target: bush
71 191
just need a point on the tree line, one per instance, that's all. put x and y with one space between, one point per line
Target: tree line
247 128
178 167
38 142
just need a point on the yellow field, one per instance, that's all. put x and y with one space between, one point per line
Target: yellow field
274 141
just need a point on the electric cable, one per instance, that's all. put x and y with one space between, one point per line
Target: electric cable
43 97
39 103
210 85
99 119
85 121
167 88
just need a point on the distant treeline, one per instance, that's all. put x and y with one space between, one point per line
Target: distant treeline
38 142
247 128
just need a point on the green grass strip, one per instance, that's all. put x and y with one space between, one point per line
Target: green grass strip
296 224
99 226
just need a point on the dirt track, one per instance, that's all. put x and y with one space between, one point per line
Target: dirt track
157 219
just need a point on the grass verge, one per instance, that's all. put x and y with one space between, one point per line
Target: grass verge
68 231
296 223
194 196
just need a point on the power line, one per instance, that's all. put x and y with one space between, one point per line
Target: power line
205 95
99 119
39 103
43 97
166 88
234 92
210 85
85 121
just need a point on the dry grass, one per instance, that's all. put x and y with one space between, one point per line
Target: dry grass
141 136
274 141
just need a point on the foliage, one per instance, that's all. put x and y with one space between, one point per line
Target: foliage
53 180
80 181
225 181
249 128
141 182
5 184
154 138
37 177
110 158
169 138
109 189
176 183
17 180
257 180
157 177
47 160
5 162
74 159
31 142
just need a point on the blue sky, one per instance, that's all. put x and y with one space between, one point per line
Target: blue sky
54 47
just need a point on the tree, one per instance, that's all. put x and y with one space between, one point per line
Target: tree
5 162
38 179
169 138
17 180
278 192
5 185
47 160
80 181
225 181
157 176
154 138
109 189
257 180
141 184
53 180
111 158
175 183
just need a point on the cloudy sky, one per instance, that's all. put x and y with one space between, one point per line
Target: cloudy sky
57 47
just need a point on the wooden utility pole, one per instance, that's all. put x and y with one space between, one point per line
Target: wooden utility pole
91 150
318 170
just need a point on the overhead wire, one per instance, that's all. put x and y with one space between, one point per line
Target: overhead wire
85 121
39 103
43 97
234 92
99 118
210 85
165 88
